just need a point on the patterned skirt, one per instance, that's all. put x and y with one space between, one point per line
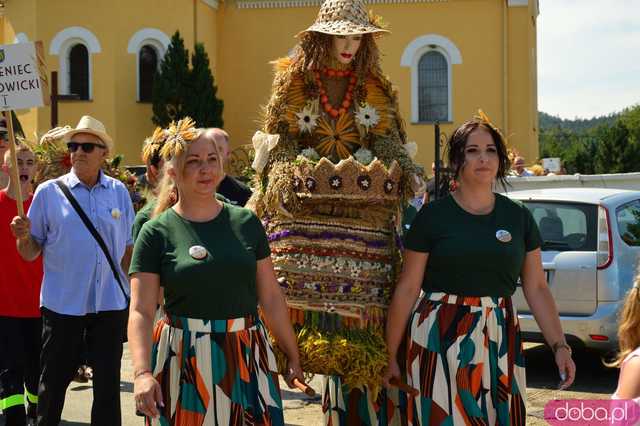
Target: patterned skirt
465 356
343 406
215 372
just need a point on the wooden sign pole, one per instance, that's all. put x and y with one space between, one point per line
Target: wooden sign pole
15 175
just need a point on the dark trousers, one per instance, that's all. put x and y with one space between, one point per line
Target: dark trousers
62 340
19 367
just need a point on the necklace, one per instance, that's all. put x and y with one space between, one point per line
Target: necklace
348 96
485 210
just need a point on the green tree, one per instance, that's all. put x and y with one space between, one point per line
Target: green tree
171 84
203 105
617 151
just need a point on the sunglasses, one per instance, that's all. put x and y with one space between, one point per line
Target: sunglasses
87 147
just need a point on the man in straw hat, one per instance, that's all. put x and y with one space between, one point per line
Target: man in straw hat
334 171
81 291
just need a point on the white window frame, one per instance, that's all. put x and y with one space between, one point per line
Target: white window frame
411 58
61 45
152 37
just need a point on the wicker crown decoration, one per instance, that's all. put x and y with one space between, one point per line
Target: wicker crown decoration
348 180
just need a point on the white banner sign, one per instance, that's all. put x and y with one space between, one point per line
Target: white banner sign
22 76
552 164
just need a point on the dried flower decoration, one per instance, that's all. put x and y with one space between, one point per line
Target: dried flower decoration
487 121
54 134
178 135
377 21
153 144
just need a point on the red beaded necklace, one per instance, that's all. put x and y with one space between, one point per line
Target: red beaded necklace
348 96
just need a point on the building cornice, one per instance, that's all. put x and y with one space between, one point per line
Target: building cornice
281 4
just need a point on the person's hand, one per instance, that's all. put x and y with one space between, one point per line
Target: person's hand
393 371
21 227
147 394
294 371
566 367
418 184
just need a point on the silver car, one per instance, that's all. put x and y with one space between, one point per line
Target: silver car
590 251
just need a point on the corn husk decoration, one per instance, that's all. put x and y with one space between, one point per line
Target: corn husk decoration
359 356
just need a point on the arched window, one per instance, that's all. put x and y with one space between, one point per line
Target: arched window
431 57
75 47
147 66
433 87
79 71
149 45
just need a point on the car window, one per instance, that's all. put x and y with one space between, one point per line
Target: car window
565 226
628 218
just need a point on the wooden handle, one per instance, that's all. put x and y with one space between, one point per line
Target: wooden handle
304 387
404 387
15 176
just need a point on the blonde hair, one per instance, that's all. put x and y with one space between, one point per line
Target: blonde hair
21 147
179 138
537 170
629 324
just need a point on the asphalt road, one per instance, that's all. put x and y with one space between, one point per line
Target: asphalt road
593 381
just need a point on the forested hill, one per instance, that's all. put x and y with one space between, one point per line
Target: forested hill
577 125
607 144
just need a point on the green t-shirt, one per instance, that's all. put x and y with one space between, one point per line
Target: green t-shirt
142 217
466 257
222 285
144 214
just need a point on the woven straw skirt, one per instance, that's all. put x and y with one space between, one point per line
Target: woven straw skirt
465 356
215 372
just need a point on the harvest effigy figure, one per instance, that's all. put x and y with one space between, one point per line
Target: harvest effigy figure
333 173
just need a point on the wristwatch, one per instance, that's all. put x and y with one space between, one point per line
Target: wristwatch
561 344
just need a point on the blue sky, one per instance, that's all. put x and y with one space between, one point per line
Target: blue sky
588 56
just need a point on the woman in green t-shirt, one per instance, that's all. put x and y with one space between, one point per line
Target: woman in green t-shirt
463 258
209 360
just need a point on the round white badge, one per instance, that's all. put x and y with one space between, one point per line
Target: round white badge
198 252
503 235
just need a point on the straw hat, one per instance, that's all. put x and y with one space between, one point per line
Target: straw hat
343 17
88 124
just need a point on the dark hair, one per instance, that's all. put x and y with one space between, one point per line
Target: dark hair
458 142
155 159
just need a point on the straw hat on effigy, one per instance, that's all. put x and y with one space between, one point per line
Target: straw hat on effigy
344 17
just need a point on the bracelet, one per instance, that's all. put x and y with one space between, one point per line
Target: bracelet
140 373
561 344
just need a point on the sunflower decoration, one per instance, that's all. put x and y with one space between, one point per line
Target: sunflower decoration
339 139
178 135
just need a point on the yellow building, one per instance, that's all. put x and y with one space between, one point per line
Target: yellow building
447 58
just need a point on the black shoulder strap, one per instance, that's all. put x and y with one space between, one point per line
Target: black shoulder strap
87 222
